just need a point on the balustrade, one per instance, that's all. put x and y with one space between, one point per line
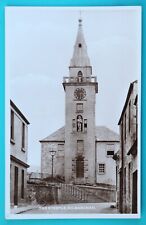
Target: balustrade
91 79
71 192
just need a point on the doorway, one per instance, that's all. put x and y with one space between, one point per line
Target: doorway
121 192
134 193
16 186
80 167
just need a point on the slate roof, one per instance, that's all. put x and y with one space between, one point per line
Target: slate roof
58 135
105 134
19 112
102 134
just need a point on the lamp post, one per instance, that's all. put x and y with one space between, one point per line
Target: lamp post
52 152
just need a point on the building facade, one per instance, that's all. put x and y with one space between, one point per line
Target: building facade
127 161
83 151
18 155
106 145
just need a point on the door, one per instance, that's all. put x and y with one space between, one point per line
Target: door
121 192
80 167
16 186
134 193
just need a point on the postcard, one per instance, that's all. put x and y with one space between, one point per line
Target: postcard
73 94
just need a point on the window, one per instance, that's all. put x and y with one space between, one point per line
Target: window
122 133
110 150
22 184
85 124
79 45
80 146
79 107
60 151
80 167
80 73
110 153
129 120
80 76
101 168
23 136
60 147
73 125
125 128
12 125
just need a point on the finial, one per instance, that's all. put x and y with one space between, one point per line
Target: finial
80 19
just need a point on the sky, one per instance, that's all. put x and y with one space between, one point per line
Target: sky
39 46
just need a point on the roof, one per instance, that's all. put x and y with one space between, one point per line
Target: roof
102 134
127 99
34 175
58 135
18 111
105 134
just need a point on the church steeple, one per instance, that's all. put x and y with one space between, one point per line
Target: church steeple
80 56
80 91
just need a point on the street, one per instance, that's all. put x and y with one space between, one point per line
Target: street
74 208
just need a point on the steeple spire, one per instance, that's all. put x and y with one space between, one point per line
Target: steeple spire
80 57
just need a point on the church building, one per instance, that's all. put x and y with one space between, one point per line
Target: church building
81 152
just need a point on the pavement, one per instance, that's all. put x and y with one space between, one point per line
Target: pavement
22 209
77 208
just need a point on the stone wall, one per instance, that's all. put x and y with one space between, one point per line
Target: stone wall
43 194
127 193
87 136
46 159
105 194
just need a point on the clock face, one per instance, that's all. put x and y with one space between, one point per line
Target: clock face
80 93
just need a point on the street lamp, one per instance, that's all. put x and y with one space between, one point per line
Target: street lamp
52 152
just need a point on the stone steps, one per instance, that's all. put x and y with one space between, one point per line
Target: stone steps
74 194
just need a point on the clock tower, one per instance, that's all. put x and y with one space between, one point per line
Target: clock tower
80 90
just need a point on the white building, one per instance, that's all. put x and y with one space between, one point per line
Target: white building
18 155
83 152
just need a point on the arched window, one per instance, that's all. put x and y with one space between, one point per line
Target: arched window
79 45
79 123
80 167
80 76
80 73
85 124
73 125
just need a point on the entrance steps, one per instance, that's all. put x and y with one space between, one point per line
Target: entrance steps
71 193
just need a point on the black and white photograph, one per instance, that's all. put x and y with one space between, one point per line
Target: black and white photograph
73 105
